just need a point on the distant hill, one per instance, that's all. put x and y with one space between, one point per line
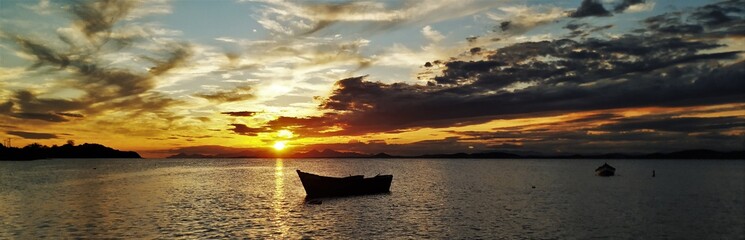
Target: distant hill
328 153
195 155
472 155
696 154
87 150
685 154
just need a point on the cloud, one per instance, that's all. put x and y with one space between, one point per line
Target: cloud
242 129
625 4
32 135
724 19
29 102
584 29
105 87
240 114
304 18
74 115
653 69
431 34
590 8
520 19
515 20
80 60
94 17
49 117
236 94
598 132
677 124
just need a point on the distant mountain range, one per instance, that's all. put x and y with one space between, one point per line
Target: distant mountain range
92 150
86 150
328 153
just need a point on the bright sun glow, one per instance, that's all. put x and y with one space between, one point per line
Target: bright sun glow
284 133
280 145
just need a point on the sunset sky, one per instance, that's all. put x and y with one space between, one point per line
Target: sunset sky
403 77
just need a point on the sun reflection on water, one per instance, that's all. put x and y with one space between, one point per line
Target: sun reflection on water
278 201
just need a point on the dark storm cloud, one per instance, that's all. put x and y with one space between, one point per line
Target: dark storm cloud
541 78
239 93
590 8
625 4
32 135
240 114
242 129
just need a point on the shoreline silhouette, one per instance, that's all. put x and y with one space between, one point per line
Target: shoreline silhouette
328 153
37 151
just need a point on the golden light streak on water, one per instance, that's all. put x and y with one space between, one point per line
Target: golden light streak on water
279 207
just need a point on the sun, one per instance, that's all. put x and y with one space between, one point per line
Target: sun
279 145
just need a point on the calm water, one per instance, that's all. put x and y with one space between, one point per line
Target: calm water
443 198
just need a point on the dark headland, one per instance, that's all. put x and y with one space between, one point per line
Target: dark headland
86 150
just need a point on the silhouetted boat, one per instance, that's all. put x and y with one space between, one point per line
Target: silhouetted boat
322 186
605 170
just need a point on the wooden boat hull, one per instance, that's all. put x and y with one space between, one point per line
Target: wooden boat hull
605 173
605 170
322 186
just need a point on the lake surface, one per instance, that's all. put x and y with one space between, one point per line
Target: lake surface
430 198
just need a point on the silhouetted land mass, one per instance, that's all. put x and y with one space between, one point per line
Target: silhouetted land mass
382 155
195 155
328 153
243 154
473 155
686 154
86 150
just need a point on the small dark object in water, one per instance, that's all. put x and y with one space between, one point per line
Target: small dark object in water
605 170
322 186
653 173
533 187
